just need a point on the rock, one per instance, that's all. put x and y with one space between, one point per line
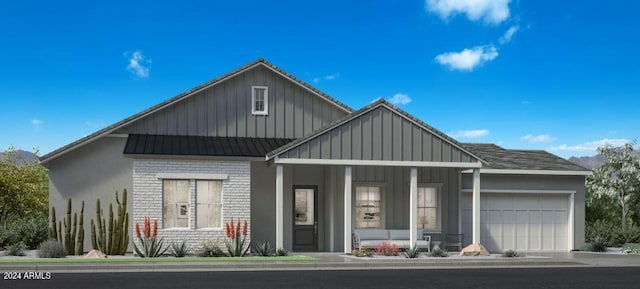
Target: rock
95 254
474 250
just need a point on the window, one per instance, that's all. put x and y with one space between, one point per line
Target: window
368 207
175 207
259 100
208 204
428 212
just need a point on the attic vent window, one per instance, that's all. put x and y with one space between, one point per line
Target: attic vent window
259 100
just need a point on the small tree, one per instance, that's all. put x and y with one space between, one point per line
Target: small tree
24 187
618 178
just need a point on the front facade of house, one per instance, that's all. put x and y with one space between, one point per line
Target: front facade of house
306 170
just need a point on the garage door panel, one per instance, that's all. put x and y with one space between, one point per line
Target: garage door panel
525 222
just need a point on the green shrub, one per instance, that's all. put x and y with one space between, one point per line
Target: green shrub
17 249
362 252
282 252
439 253
599 244
263 249
632 235
34 231
631 248
211 248
180 250
511 254
52 249
8 236
413 252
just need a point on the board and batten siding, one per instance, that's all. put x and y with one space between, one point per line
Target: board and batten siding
224 110
379 134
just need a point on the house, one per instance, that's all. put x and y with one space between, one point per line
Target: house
305 170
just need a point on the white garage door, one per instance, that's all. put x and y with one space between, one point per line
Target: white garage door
523 222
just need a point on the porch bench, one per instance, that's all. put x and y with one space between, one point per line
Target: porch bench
372 238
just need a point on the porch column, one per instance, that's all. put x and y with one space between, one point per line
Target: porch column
279 207
476 206
413 207
347 210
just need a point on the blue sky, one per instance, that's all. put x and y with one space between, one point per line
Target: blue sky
562 76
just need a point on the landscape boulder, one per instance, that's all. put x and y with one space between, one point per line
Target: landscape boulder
474 250
95 254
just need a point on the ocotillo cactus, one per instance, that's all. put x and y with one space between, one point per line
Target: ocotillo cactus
53 230
80 234
112 237
67 229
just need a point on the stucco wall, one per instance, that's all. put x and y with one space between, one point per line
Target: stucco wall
147 195
96 170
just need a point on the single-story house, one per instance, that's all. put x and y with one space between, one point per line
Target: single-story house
306 170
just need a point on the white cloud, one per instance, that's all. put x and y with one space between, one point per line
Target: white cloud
476 133
36 122
138 64
468 59
491 11
327 77
399 98
508 35
591 146
541 138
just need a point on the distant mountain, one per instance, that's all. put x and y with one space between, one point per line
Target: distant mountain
590 162
26 155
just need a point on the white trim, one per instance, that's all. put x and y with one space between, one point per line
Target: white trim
117 135
253 100
413 207
279 207
531 172
475 207
509 191
188 176
571 224
347 210
460 202
297 161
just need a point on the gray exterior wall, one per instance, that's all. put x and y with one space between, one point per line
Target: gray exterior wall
330 183
93 171
225 110
539 182
379 134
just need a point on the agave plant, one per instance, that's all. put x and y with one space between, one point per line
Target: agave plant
236 242
151 245
413 252
180 250
263 249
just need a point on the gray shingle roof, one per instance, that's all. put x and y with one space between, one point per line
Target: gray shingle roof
500 158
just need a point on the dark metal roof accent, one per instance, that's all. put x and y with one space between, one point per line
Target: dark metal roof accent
179 97
142 144
365 109
512 159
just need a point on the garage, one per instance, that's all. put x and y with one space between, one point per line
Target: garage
525 222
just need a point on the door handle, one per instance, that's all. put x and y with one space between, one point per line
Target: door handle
315 228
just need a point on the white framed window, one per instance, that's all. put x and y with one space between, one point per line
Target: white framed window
260 100
208 204
368 207
429 207
175 203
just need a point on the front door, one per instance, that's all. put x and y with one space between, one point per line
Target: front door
305 215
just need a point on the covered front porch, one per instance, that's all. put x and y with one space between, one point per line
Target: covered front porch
370 170
318 206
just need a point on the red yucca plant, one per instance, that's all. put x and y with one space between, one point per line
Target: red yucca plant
387 249
151 246
236 243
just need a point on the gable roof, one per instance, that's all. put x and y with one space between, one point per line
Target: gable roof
400 137
258 62
512 159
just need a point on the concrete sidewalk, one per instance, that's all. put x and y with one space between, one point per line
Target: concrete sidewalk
334 261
